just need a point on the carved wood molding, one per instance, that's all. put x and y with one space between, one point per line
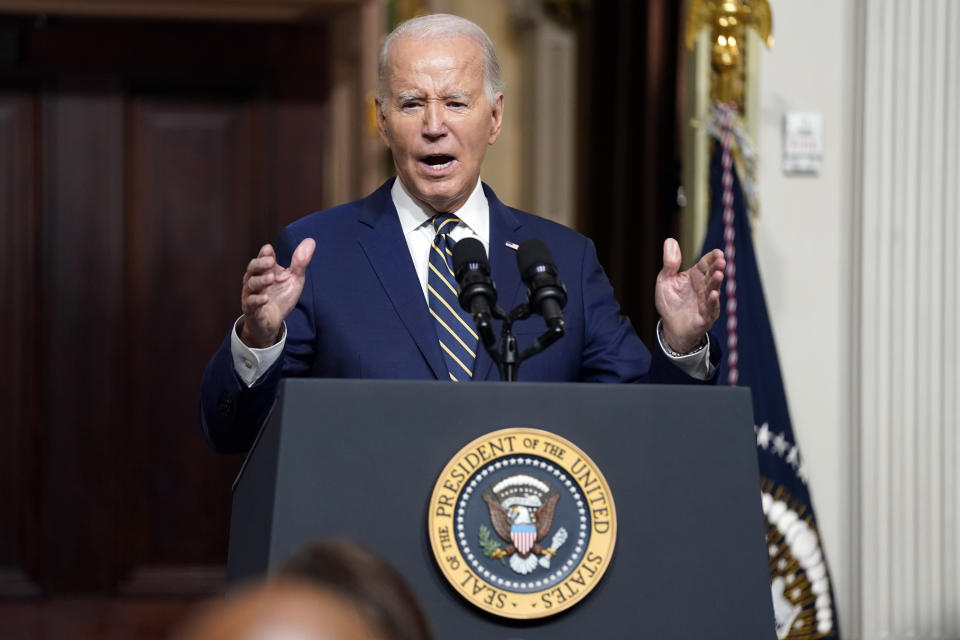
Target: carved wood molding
246 10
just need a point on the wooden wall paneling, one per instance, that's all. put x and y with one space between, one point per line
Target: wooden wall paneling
195 202
18 288
163 156
295 160
245 10
81 356
91 617
208 55
326 151
293 157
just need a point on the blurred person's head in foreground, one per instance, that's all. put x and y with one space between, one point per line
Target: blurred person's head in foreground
370 584
329 590
282 609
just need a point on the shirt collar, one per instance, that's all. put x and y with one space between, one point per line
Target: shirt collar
475 212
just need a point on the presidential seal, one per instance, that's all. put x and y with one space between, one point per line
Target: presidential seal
522 523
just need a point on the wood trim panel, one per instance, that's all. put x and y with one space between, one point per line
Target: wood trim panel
137 178
239 10
82 318
18 391
94 617
195 196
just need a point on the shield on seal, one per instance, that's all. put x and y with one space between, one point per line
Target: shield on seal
523 536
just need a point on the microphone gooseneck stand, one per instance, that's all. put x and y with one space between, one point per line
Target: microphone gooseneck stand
478 296
509 357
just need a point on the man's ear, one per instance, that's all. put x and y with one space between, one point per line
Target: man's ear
496 118
381 122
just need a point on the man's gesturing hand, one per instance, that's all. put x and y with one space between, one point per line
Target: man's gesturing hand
270 293
688 301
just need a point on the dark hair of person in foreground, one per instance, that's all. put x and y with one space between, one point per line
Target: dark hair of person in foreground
373 586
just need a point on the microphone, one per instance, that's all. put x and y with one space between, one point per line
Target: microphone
478 295
546 293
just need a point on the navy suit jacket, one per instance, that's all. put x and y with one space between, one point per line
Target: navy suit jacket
362 314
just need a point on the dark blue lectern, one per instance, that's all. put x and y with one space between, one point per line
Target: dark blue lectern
358 459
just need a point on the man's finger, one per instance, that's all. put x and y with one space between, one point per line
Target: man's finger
266 250
671 257
713 305
302 255
261 264
712 260
716 278
255 284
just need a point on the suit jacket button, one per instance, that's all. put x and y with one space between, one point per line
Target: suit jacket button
226 403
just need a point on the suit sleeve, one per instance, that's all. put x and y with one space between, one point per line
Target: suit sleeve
231 414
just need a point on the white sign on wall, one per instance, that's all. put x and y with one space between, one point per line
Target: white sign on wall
802 143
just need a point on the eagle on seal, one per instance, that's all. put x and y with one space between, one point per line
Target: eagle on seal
522 519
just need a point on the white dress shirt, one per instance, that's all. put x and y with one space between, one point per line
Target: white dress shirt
418 231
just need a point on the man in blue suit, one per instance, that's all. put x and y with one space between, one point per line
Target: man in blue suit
354 300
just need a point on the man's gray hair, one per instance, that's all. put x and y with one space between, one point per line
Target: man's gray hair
443 25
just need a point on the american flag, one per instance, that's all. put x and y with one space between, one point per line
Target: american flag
800 582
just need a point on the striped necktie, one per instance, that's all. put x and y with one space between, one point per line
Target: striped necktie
458 339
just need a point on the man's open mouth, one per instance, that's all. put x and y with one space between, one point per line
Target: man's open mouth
438 161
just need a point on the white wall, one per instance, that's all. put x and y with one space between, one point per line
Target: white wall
802 240
862 275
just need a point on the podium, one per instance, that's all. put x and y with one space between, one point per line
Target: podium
358 460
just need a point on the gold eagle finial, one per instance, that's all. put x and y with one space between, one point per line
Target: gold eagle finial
728 21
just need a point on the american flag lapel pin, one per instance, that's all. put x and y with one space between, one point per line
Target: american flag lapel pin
512 245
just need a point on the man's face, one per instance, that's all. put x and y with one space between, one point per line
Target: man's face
437 119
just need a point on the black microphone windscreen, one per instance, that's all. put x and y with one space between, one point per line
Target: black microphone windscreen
469 250
534 252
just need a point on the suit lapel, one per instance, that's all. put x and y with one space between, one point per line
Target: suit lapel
504 227
385 248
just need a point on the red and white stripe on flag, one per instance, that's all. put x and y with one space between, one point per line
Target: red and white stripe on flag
523 536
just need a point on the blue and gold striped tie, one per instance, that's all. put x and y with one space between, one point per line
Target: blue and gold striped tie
458 340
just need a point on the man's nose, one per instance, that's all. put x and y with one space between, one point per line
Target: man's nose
434 122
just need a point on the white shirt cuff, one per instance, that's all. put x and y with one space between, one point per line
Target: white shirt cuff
250 364
696 365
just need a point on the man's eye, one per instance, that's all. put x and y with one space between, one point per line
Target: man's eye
456 105
409 105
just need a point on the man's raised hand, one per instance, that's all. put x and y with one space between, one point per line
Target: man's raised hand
270 293
688 301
